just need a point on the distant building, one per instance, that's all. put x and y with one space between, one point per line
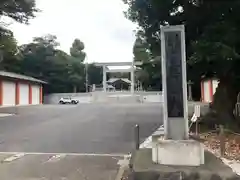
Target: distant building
17 89
119 83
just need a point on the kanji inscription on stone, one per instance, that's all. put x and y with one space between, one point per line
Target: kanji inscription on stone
174 83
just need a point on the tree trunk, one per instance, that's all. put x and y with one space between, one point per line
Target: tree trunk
224 102
74 89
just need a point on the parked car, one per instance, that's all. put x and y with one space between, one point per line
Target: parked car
68 100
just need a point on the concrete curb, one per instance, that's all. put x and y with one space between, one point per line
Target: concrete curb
234 165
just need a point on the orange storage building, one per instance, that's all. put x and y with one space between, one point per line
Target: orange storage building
17 89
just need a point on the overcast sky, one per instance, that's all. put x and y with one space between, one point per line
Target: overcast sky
100 24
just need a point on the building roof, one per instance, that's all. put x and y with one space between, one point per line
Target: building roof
112 80
20 76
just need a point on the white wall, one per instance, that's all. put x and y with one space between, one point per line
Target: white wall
153 98
9 93
35 94
23 94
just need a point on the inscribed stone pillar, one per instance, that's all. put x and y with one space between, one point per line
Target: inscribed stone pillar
174 82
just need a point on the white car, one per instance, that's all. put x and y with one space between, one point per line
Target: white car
68 100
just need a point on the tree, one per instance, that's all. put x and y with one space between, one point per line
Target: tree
8 46
19 10
217 54
211 40
77 50
78 55
48 41
141 48
149 73
76 74
42 59
9 53
94 74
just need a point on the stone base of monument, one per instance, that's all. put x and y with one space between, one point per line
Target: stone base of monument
212 169
179 152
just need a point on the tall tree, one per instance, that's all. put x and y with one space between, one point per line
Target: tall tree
149 73
20 11
78 55
77 50
9 53
211 39
42 59
49 41
141 48
94 74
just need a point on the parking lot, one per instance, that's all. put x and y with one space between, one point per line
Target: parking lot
83 128
71 139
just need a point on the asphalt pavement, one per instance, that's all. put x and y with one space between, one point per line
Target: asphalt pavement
68 142
59 167
83 128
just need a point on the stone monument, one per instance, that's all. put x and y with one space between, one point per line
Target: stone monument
176 148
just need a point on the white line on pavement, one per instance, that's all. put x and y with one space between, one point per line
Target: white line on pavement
5 114
14 157
56 157
62 154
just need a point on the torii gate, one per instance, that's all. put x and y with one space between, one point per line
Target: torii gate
107 70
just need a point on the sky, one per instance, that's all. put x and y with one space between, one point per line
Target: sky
108 36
